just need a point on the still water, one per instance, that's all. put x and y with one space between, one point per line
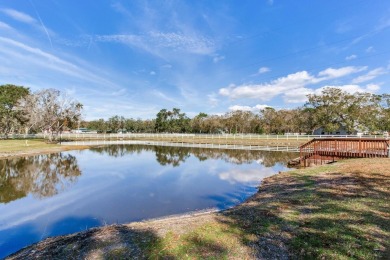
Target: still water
56 194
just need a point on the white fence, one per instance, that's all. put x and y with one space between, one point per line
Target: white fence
89 136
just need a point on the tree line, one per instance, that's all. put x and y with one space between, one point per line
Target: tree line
331 109
51 111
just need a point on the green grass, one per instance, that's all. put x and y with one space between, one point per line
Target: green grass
15 147
7 146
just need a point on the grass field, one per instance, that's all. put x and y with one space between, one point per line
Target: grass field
29 147
337 211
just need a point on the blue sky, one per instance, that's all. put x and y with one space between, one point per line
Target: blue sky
133 58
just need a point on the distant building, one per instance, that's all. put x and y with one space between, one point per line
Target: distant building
80 130
340 131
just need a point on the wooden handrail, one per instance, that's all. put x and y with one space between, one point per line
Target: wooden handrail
344 148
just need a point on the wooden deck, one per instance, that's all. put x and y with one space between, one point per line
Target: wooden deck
324 150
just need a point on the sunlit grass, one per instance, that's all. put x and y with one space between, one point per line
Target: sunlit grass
14 147
23 145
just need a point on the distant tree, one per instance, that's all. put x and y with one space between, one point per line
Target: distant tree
11 116
384 115
162 121
52 112
334 108
197 123
271 120
172 121
100 125
116 123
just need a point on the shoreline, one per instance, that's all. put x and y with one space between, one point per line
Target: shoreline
243 230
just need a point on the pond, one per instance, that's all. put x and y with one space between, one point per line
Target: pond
63 193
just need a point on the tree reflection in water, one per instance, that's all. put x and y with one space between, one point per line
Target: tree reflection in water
47 175
167 155
41 175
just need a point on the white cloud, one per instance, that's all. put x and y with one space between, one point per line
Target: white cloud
19 16
263 70
351 57
247 108
332 73
152 73
372 87
269 90
370 75
293 87
300 95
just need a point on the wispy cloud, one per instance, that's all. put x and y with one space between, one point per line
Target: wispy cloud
19 16
351 57
212 99
36 56
163 96
5 26
155 41
42 24
218 58
370 49
370 75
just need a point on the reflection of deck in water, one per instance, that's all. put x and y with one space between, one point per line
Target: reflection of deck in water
193 145
325 150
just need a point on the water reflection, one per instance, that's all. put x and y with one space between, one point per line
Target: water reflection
166 155
62 193
41 175
47 175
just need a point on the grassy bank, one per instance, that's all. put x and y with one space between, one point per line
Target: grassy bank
11 148
338 211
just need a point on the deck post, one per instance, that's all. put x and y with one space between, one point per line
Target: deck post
388 150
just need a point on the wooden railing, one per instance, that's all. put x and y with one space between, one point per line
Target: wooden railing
322 150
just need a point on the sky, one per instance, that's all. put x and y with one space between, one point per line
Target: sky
133 58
